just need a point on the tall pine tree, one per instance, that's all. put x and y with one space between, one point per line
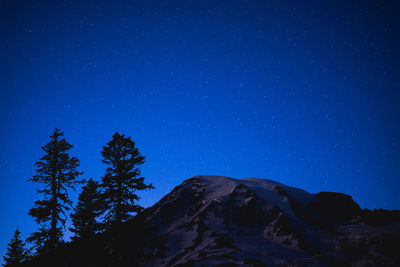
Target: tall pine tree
16 252
57 173
89 207
122 179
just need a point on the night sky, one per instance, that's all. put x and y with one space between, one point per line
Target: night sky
304 92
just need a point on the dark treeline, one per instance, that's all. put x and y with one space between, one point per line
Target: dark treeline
102 205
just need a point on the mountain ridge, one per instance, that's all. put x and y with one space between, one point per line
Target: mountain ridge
222 221
283 218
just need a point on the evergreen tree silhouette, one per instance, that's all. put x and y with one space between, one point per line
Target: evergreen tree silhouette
122 179
89 207
57 172
16 252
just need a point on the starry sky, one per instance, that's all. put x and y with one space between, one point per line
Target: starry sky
303 92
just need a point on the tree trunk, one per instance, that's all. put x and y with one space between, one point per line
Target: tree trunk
118 208
53 229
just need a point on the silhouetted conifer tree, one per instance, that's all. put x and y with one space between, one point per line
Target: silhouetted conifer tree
89 207
122 178
16 252
57 172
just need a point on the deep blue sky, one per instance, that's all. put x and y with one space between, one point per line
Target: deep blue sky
305 93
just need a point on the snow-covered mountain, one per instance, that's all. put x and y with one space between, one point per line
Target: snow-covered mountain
221 221
212 220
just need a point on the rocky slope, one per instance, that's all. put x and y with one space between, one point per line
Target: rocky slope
211 220
221 221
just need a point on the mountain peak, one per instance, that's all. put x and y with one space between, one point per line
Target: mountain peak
217 219
222 221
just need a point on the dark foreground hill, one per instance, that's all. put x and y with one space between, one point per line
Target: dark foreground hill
220 221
